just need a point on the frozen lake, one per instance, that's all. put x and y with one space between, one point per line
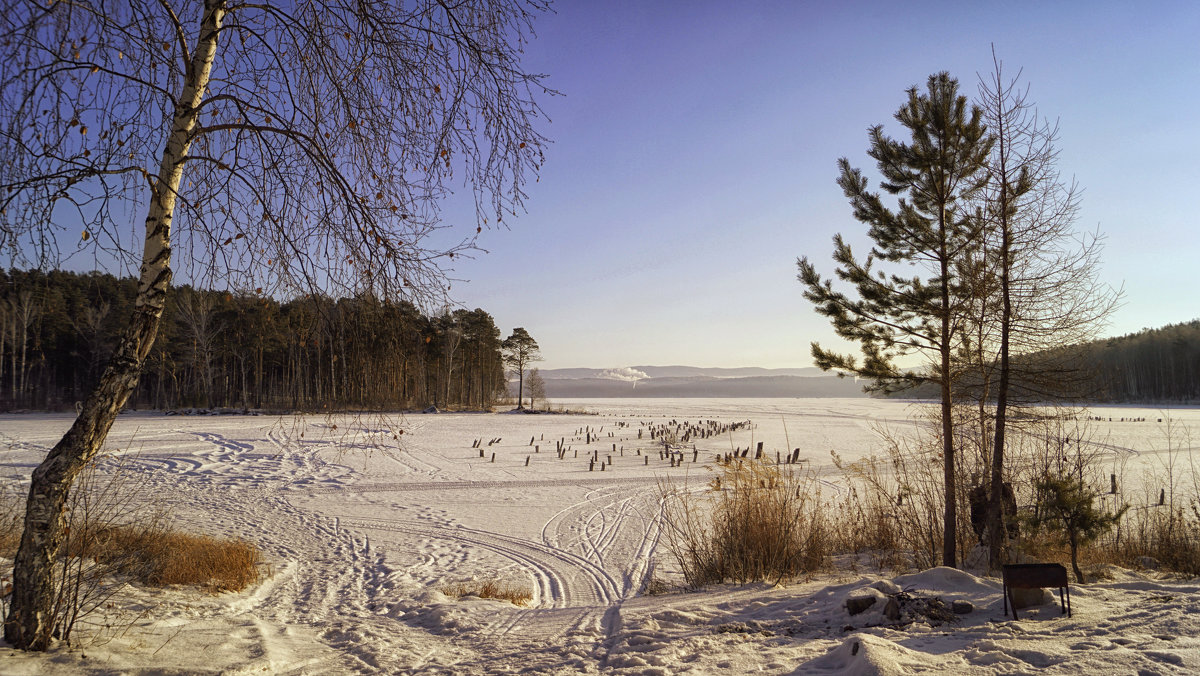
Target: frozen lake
364 516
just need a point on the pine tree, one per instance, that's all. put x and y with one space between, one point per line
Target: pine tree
1067 505
935 177
520 349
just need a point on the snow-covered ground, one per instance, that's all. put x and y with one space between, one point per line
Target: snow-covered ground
362 524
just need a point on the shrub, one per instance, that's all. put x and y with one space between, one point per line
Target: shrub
755 521
894 506
1170 537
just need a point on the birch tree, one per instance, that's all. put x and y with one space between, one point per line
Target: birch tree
196 314
537 388
273 146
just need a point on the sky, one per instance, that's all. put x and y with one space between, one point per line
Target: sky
695 147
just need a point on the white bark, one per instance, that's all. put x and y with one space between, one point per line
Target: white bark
29 623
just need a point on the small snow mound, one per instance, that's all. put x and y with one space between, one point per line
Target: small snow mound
859 600
467 614
430 597
886 586
867 655
680 618
945 579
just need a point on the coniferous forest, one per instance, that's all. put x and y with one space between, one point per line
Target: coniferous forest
1153 365
229 349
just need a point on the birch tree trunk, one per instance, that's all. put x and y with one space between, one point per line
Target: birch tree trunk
25 314
30 623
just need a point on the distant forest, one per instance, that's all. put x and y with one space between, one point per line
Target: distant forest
238 350
1152 365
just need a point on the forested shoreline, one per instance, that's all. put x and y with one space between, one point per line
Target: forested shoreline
239 350
232 349
1152 366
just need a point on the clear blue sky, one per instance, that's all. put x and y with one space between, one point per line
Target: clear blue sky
695 150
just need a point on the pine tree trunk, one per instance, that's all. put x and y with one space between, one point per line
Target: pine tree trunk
949 523
4 325
30 623
26 299
13 360
520 387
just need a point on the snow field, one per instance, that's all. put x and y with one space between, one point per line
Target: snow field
362 524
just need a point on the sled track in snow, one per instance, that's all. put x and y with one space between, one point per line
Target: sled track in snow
593 524
555 571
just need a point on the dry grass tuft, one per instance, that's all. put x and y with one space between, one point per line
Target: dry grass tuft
114 537
490 589
1161 536
148 553
161 557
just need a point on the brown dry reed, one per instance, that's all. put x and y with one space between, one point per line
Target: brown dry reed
114 538
892 508
1161 536
754 521
490 589
149 554
159 557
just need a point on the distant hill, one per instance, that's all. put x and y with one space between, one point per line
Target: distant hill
1151 366
681 372
691 381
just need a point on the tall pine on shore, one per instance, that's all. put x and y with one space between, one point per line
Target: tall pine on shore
930 230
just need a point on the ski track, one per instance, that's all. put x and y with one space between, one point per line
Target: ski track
329 577
555 570
336 579
604 517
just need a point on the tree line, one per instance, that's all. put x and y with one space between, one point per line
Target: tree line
241 350
1152 366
